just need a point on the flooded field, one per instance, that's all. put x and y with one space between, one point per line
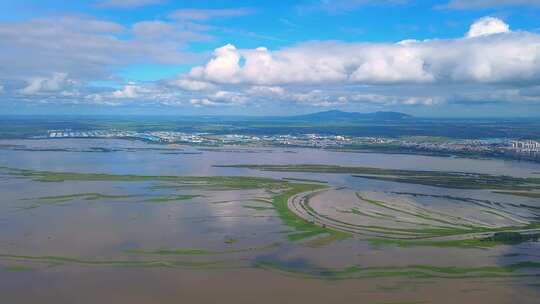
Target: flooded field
143 223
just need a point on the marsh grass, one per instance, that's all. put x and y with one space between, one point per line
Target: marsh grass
198 251
61 260
444 179
302 228
17 268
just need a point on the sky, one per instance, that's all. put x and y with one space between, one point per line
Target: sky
445 58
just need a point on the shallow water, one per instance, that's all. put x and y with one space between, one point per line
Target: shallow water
237 231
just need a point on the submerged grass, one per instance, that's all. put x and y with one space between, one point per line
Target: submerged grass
81 196
61 199
303 229
445 179
59 260
17 268
218 182
499 238
196 251
171 198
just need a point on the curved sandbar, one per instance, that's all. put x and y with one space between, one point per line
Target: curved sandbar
300 206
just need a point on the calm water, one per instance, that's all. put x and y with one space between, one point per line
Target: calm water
223 222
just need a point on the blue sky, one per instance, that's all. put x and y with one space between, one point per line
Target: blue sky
427 58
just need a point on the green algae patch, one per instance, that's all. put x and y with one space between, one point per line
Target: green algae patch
498 238
79 196
17 268
230 241
60 260
171 198
324 240
208 182
196 251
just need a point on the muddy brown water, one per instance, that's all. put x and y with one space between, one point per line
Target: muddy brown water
222 222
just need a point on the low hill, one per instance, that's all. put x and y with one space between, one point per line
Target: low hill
336 115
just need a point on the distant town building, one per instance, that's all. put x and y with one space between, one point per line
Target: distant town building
528 145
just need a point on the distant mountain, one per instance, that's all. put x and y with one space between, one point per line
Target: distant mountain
336 115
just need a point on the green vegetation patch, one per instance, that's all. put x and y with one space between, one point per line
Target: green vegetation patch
498 238
445 179
302 228
82 196
280 190
17 268
212 182
194 251
172 198
59 260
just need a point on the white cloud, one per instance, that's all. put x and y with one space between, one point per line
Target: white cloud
224 65
482 57
127 3
481 4
319 98
55 82
228 97
199 102
130 90
487 26
490 63
390 100
192 85
86 48
265 91
392 65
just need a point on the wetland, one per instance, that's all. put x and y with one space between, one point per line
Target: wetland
310 226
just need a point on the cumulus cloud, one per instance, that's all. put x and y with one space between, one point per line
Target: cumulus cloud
390 100
127 3
490 53
56 58
487 26
199 102
489 63
54 83
83 47
481 4
191 85
129 91
265 91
